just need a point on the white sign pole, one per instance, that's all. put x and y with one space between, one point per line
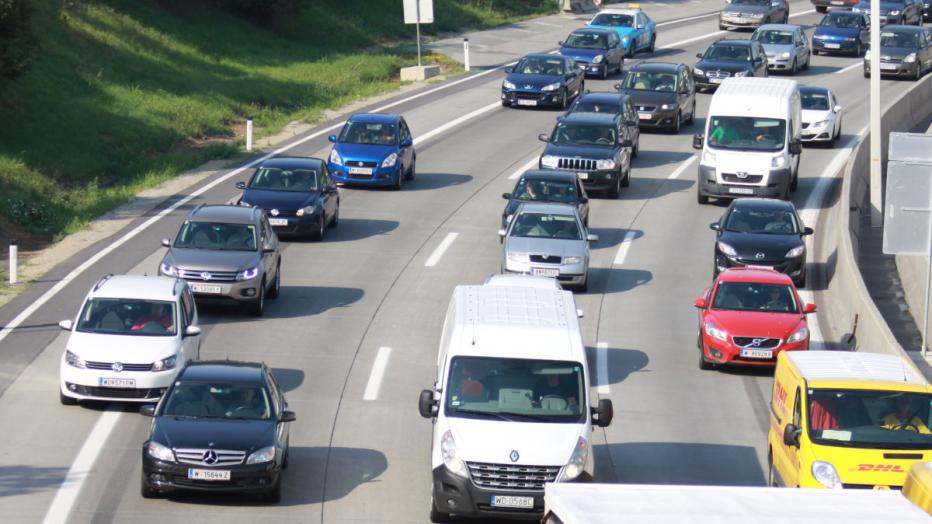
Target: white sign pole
418 30
876 186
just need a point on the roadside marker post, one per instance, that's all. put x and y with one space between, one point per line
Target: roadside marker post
248 134
14 254
466 54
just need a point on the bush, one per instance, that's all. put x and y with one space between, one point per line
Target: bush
17 43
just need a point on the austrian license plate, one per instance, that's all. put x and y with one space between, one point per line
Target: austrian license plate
644 116
209 474
360 170
278 221
508 501
836 2
715 80
543 272
583 176
756 353
522 102
740 190
833 46
204 288
887 67
116 382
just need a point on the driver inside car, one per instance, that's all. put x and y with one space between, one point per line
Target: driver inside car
903 418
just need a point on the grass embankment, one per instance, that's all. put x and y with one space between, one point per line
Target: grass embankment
123 95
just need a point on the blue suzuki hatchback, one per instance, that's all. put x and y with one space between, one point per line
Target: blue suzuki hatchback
373 149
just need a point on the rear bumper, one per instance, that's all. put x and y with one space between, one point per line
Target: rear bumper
895 69
827 46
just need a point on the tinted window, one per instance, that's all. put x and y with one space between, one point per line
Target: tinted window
728 52
278 179
540 66
647 81
218 400
584 134
752 296
815 100
546 225
747 133
596 107
546 190
368 133
840 20
773 36
119 316
762 221
765 3
613 20
890 39
869 418
211 235
586 41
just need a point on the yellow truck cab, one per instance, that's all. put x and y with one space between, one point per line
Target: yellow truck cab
847 420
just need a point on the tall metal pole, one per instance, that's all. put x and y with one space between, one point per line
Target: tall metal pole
925 312
876 189
417 28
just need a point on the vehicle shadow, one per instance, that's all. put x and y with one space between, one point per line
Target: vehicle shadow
611 237
820 274
832 194
23 480
684 463
288 379
658 53
656 158
293 302
620 363
814 70
352 229
617 280
428 181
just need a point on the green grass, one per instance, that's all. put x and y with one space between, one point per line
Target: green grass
124 94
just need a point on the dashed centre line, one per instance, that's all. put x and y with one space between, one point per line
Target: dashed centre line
623 248
682 167
378 371
849 68
441 249
527 165
601 364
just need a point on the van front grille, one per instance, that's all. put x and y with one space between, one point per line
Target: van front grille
511 476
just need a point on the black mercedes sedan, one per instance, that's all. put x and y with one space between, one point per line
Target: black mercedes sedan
612 103
545 185
543 80
726 58
221 427
296 193
761 232
905 50
663 94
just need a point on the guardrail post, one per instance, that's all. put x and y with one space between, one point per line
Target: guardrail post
14 254
248 134
466 54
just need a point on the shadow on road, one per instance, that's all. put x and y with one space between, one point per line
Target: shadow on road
685 463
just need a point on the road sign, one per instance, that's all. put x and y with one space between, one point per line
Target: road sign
419 11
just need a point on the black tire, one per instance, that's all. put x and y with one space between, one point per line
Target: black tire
626 181
274 495
397 185
147 492
837 134
584 287
771 475
801 283
704 364
677 124
257 306
653 43
335 219
786 17
276 288
636 150
722 28
918 74
808 62
563 101
866 74
794 68
616 188
794 183
701 199
692 115
815 52
410 174
66 400
634 48
322 226
604 74
859 50
821 8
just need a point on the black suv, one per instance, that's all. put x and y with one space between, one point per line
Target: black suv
221 427
663 94
615 103
726 58
594 146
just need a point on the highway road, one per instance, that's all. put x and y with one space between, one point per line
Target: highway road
378 286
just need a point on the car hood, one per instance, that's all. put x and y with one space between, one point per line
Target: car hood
234 435
491 441
571 150
748 245
759 324
836 31
367 152
896 52
885 7
723 65
582 53
128 349
650 98
282 200
810 116
735 9
776 49
546 246
521 81
212 260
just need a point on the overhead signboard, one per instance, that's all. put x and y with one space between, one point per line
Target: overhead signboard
419 11
908 206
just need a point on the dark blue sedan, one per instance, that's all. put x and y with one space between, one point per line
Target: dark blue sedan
842 32
296 193
597 51
373 149
543 80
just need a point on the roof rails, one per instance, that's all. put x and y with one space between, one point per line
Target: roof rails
100 282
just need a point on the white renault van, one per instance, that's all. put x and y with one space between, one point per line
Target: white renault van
510 404
752 141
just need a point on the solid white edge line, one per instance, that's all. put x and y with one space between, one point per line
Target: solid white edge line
602 367
849 68
524 167
441 249
681 20
70 488
378 371
455 122
545 24
682 167
623 248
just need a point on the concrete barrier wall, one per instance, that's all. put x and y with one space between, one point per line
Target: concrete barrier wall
912 271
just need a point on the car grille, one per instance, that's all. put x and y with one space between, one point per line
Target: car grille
646 108
579 164
511 476
748 179
214 276
527 96
765 343
717 74
197 457
118 393
126 367
359 163
891 60
546 259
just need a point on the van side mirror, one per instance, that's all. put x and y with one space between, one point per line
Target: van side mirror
699 55
508 70
791 435
810 308
501 232
543 137
332 138
700 303
560 43
66 325
795 147
288 416
715 226
426 404
698 141
604 413
592 238
192 331
617 87
147 410
240 185
166 242
506 196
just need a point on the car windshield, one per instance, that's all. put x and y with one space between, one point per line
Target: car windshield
895 39
584 106
773 36
815 100
583 134
728 53
218 400
516 390
613 20
840 20
747 133
546 190
214 235
869 418
369 133
763 3
586 41
546 225
277 179
753 296
536 65
646 81
121 316
762 221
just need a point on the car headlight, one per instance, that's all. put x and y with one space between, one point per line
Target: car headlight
605 163
667 107
335 157
165 363
757 15
796 252
390 160
715 332
777 161
825 474
549 161
698 71
910 58
577 463
800 335
518 257
507 85
248 274
74 361
572 260
726 249
307 210
450 460
598 59
820 123
168 269
894 13
785 55
708 157
551 87
160 452
266 454
741 73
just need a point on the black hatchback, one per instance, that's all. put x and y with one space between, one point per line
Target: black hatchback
546 185
757 232
221 427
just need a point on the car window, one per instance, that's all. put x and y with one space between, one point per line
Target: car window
217 236
584 134
584 106
123 316
650 81
762 221
841 20
536 65
765 3
754 296
275 394
280 179
541 190
869 418
728 52
773 36
370 133
546 225
586 40
816 100
218 400
405 131
896 39
747 133
613 20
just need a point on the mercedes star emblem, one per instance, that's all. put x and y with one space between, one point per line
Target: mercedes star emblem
117 366
529 86
210 457
274 212
514 455
760 256
206 275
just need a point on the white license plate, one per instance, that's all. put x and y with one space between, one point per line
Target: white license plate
833 46
116 382
887 67
756 353
209 474
204 288
522 102
740 191
583 176
644 116
360 171
278 221
838 3
507 501
543 272
715 80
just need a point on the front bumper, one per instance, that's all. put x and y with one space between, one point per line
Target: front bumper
823 45
775 185
568 274
793 267
515 97
594 69
240 291
659 118
735 22
597 180
726 352
167 477
817 134
778 63
894 68
84 384
379 176
705 82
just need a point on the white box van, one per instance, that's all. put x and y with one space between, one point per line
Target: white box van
752 141
510 404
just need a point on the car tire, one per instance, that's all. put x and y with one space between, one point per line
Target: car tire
771 475
701 199
335 219
918 74
321 227
815 52
147 492
786 17
722 28
692 115
615 190
633 49
859 50
276 288
584 287
704 364
653 43
866 74
794 183
410 174
677 124
604 75
626 181
837 134
274 495
636 150
66 400
505 104
794 68
821 8
801 283
399 181
808 62
257 306
563 100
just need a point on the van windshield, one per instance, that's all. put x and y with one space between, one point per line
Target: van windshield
869 418
742 133
516 390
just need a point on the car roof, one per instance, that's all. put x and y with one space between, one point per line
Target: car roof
593 30
523 281
552 208
550 174
813 89
754 275
853 365
902 28
603 96
375 118
590 118
541 55
732 41
779 27
762 203
225 370
136 286
656 67
292 162
224 214
842 13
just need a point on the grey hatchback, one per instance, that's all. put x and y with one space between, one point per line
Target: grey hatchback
226 253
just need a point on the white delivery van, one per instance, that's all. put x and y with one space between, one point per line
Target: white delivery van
510 405
752 140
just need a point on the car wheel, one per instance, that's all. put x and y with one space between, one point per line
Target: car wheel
335 219
801 282
794 68
563 101
633 48
277 285
66 400
692 115
918 74
722 28
257 308
808 62
771 475
866 74
584 287
700 198
410 175
837 133
274 495
653 43
626 181
858 51
795 182
604 74
786 17
147 492
616 187
678 123
435 514
815 52
636 150
322 226
704 364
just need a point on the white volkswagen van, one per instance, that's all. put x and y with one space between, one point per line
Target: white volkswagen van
510 404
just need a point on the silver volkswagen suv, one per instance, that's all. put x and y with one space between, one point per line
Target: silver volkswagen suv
226 253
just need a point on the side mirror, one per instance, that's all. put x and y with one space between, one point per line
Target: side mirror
166 242
640 26
808 231
543 137
791 435
592 238
617 87
407 142
267 250
560 118
288 416
560 43
700 303
715 226
332 138
605 413
795 148
810 308
583 200
501 232
698 141
508 70
837 108
147 410
241 185
426 405
66 325
579 313
627 143
506 196
699 55
192 331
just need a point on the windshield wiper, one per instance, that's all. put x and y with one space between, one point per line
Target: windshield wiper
527 416
487 414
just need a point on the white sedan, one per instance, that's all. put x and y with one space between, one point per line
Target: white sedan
821 115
